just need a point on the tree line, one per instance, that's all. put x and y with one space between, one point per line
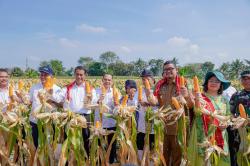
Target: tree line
109 62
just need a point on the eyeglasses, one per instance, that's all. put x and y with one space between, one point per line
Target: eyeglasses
245 78
168 69
214 81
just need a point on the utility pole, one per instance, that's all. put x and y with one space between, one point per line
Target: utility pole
26 63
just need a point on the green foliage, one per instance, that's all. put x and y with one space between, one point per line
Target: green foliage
17 72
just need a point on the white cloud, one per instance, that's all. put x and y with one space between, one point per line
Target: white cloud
65 42
178 41
183 44
194 48
125 49
155 30
90 28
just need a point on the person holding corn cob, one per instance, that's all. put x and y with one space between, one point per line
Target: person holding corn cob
240 97
54 97
146 100
8 94
105 95
166 88
77 96
212 113
4 87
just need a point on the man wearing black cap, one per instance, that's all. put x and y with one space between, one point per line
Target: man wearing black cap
55 97
240 97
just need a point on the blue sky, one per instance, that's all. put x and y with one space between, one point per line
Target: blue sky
191 31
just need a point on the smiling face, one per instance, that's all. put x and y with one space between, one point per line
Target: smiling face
169 71
80 76
43 77
245 81
213 84
107 81
131 92
4 77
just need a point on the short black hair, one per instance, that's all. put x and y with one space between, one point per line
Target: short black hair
205 87
169 62
81 68
4 70
107 74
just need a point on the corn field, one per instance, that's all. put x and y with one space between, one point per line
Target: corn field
60 139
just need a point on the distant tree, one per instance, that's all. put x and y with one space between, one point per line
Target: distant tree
139 65
108 58
57 67
236 67
121 69
175 61
247 62
70 72
225 69
31 73
96 69
17 72
156 66
206 66
85 61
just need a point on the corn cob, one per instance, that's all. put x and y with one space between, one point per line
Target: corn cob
124 100
182 81
147 84
175 103
242 111
196 84
140 94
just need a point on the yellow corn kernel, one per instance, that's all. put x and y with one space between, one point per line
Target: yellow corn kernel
140 93
147 84
20 85
124 100
87 87
196 84
175 103
242 111
182 81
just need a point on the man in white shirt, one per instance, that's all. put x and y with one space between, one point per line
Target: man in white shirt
76 97
4 81
105 96
229 92
55 98
5 99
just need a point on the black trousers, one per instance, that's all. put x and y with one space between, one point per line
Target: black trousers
34 133
86 134
233 143
140 140
112 156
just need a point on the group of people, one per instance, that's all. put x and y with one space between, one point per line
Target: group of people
198 106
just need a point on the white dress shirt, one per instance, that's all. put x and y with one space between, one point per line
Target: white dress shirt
4 98
229 92
76 99
56 96
109 101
